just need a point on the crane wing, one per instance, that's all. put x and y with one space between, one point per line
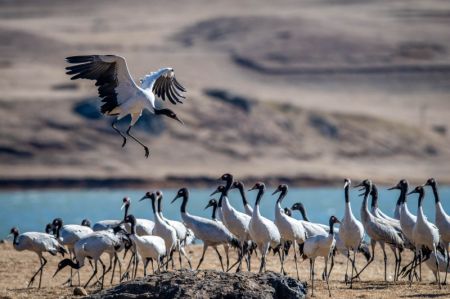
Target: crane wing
168 86
115 84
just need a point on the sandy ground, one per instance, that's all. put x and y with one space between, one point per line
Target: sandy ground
16 269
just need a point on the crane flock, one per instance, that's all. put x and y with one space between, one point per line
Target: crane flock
157 240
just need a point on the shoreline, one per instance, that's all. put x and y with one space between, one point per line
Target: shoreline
172 182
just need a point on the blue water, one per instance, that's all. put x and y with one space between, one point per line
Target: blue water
31 210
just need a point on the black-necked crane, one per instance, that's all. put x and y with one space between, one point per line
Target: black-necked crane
236 221
351 231
180 229
320 246
162 228
38 243
379 230
376 212
262 230
68 235
92 247
150 248
120 95
442 221
212 233
425 233
290 229
213 203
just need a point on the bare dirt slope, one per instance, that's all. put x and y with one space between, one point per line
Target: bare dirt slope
309 89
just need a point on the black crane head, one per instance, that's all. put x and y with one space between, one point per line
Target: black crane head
126 201
258 186
288 211
147 195
169 113
431 182
401 184
86 222
14 231
333 219
57 223
130 219
281 188
237 185
418 189
365 185
158 193
298 206
49 228
347 183
226 177
220 189
181 193
211 203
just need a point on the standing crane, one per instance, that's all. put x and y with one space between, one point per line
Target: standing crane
149 247
379 230
320 245
212 233
180 229
351 231
162 228
263 231
120 95
290 229
38 243
425 233
442 221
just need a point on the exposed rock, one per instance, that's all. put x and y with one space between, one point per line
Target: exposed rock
208 284
79 291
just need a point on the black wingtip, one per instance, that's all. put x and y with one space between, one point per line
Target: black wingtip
80 59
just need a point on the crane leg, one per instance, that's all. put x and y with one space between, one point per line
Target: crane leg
113 125
147 260
203 255
113 269
346 268
446 268
38 271
147 152
332 265
282 258
183 252
326 278
220 258
225 248
385 260
311 273
93 274
295 259
353 267
372 244
437 267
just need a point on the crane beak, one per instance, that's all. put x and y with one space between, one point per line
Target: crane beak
123 206
215 192
276 191
393 188
253 188
176 197
145 197
412 192
209 205
179 120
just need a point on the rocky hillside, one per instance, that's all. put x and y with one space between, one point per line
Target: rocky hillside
305 93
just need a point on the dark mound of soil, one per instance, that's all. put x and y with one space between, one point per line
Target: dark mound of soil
208 284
